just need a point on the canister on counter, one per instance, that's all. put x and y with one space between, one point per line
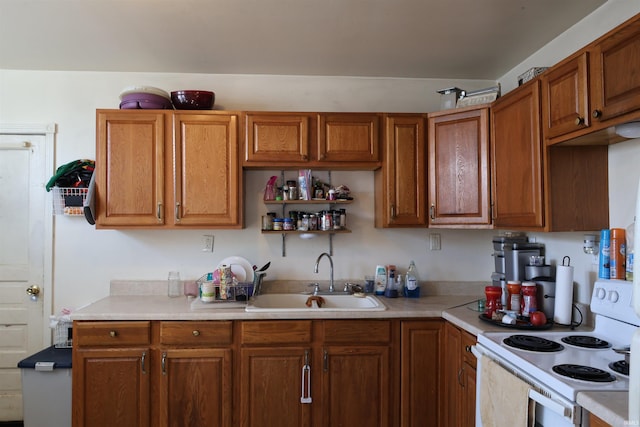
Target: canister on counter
226 280
514 288
529 302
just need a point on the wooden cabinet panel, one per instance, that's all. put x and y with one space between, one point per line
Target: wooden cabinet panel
197 333
459 168
420 372
130 168
111 333
110 387
348 137
615 67
356 386
400 191
168 169
275 332
357 331
517 159
277 138
459 380
565 97
207 188
271 387
195 388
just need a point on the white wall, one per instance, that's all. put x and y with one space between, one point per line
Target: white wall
87 259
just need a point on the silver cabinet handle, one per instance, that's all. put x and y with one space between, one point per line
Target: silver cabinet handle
164 363
142 362
305 396
177 211
432 211
159 212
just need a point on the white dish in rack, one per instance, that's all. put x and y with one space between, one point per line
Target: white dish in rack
240 267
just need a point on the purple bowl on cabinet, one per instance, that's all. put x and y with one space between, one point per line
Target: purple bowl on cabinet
193 99
145 101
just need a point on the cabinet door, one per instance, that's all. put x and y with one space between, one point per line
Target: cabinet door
195 387
207 189
111 387
348 137
469 395
401 182
130 168
356 386
420 372
459 168
615 68
565 104
277 138
451 379
271 385
517 159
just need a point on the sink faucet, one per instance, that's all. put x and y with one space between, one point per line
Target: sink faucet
315 269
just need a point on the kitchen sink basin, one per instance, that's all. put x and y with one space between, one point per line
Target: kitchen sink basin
298 302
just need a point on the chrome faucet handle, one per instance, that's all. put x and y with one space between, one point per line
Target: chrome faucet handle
316 288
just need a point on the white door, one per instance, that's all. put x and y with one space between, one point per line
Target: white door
25 254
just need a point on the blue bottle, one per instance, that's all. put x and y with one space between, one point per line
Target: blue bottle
604 259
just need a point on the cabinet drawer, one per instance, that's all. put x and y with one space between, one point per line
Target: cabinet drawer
111 333
357 331
196 333
276 332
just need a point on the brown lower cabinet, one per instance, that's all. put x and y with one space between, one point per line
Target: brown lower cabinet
459 380
373 372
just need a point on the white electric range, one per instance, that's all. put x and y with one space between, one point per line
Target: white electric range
554 361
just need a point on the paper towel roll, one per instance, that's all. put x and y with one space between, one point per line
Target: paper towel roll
563 306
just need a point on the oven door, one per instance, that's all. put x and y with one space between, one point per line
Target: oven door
545 407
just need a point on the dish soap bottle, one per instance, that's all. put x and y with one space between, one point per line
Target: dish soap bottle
391 291
412 286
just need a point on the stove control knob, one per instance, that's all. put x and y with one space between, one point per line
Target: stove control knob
613 296
601 293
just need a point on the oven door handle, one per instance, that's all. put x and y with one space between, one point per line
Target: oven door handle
551 404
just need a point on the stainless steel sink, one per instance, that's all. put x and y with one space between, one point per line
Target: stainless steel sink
298 303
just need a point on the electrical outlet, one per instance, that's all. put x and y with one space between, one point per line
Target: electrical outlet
207 243
434 242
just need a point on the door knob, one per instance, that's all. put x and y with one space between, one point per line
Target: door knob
33 291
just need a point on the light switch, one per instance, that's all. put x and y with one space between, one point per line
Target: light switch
207 243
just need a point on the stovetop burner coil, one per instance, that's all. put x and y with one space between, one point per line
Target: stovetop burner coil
585 373
533 343
621 367
585 341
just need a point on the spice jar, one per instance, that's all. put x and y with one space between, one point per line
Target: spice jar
288 224
513 295
493 295
278 224
529 302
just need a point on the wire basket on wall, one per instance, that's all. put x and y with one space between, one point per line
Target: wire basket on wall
69 201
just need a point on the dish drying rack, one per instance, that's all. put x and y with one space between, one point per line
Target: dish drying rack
236 291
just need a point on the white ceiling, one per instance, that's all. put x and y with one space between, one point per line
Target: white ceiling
454 39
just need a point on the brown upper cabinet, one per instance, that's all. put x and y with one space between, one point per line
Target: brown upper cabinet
540 187
312 140
167 169
401 183
594 89
459 168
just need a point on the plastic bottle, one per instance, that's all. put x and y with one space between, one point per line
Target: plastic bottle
412 286
617 254
630 250
400 285
380 279
604 262
391 291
